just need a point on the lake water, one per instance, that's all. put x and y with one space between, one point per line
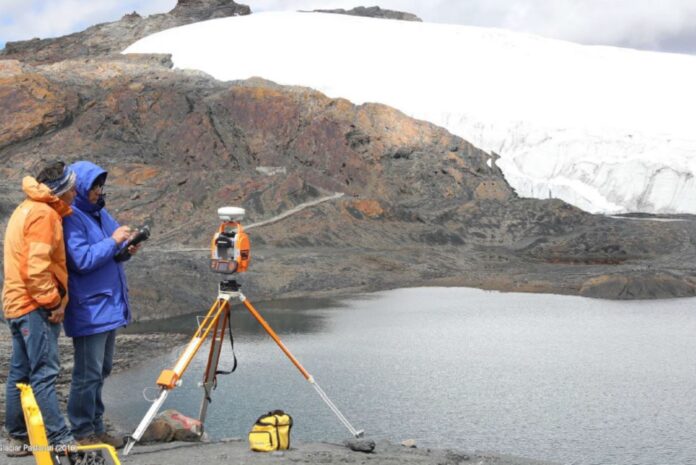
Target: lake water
568 379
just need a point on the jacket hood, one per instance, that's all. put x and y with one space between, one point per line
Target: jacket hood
42 193
86 173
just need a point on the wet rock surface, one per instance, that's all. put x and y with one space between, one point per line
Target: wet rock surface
349 198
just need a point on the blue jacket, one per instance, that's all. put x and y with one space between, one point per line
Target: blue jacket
96 282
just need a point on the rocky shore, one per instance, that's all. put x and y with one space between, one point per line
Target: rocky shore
131 349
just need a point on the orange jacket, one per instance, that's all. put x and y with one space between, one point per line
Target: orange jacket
35 252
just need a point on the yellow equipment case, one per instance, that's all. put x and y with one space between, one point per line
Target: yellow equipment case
271 432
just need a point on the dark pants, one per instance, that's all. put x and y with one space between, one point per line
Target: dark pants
93 361
35 361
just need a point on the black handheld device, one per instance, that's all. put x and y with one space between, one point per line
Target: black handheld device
143 234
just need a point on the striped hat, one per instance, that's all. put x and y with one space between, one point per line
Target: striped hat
58 177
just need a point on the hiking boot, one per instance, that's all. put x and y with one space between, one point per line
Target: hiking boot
15 447
88 440
116 442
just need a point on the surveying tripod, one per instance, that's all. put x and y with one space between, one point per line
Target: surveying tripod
213 325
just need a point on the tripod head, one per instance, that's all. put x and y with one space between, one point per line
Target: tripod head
230 249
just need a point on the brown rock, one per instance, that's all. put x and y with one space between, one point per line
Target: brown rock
32 105
171 425
659 285
9 68
368 208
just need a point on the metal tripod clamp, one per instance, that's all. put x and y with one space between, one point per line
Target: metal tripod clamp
228 289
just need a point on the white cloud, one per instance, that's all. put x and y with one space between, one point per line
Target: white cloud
648 24
635 23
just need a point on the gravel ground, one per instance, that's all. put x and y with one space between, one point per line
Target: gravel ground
236 451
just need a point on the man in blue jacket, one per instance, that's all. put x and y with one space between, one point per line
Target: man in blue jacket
98 300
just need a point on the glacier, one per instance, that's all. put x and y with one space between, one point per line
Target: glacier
607 129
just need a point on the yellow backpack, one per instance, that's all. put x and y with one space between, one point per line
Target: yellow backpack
271 432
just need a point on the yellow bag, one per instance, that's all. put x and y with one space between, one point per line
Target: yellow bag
271 432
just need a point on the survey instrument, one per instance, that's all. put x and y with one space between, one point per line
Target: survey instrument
230 253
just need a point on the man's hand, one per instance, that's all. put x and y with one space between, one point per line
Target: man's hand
133 249
57 316
122 234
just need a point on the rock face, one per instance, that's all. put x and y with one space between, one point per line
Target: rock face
374 12
31 106
418 206
112 38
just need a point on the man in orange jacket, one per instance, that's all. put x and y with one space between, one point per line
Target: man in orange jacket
34 298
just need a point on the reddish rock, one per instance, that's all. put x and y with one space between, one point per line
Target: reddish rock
32 106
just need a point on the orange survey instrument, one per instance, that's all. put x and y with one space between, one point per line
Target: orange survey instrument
230 253
230 249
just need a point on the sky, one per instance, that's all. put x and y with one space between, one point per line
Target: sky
664 25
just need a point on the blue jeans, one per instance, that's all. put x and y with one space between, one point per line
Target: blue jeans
94 357
35 361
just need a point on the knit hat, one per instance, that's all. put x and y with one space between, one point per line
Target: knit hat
58 177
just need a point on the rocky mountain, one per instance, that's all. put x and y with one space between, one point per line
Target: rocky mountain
563 117
375 199
112 38
374 12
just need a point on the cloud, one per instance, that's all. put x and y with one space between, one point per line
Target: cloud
26 19
668 25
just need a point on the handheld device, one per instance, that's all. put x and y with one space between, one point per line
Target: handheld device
143 234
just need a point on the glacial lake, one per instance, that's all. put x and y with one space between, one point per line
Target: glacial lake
566 379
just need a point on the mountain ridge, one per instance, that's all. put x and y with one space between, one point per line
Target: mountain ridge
568 121
112 37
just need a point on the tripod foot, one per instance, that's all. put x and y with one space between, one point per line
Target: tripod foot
129 445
